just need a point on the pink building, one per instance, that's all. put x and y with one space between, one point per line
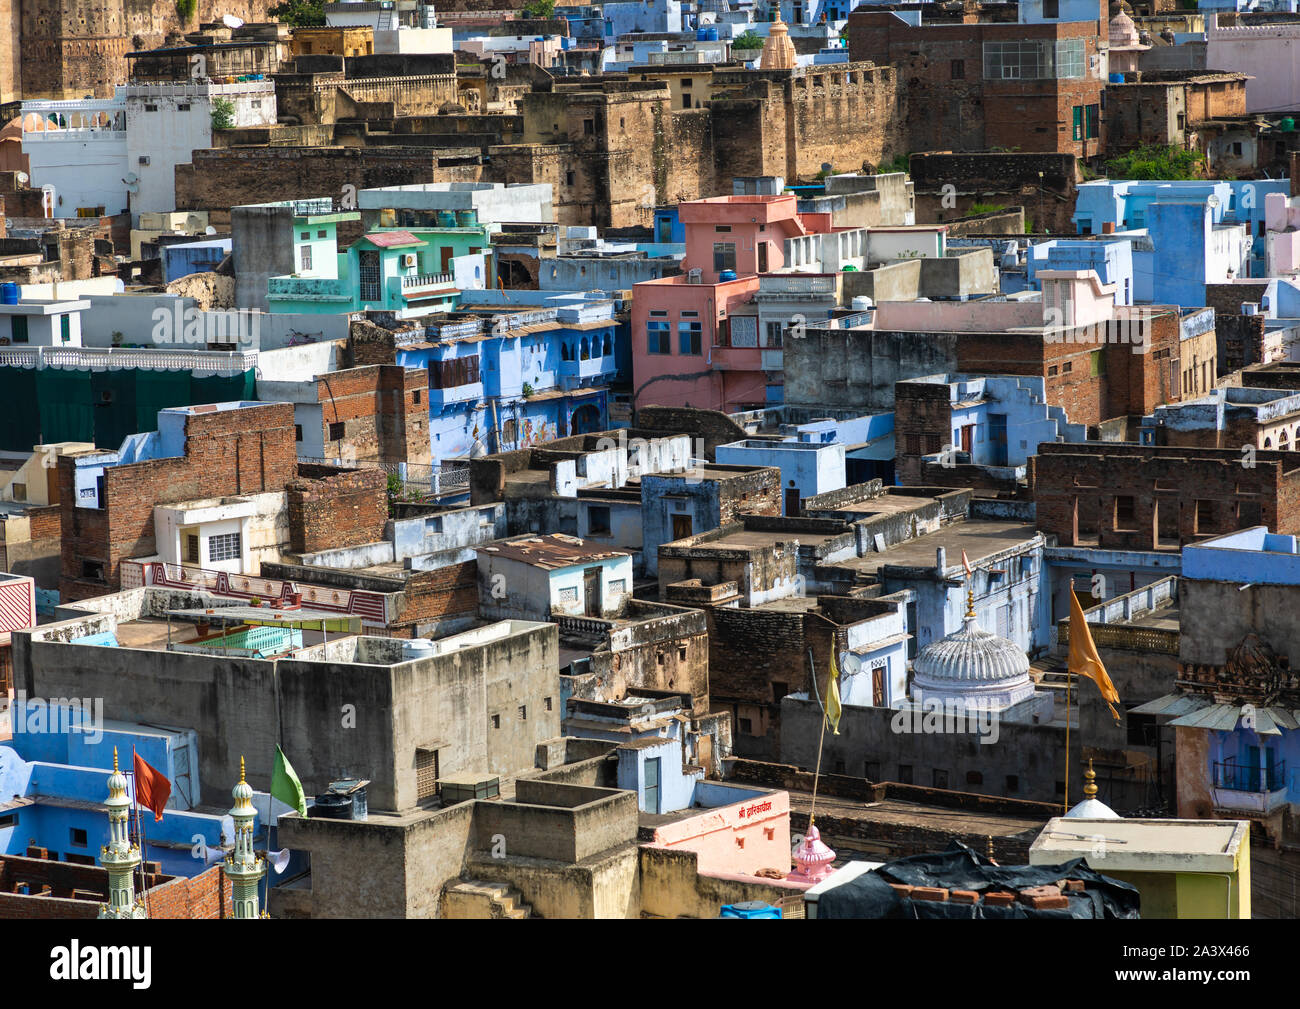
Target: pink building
695 337
740 838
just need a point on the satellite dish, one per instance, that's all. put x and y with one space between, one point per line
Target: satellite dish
209 230
23 178
230 21
279 859
850 663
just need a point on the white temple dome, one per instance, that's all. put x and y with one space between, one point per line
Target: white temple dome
982 668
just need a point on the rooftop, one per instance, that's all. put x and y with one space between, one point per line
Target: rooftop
980 538
551 552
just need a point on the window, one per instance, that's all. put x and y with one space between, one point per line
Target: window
1204 515
1096 364
65 328
320 233
1142 730
1235 148
496 721
617 585
192 549
304 235
304 259
78 837
1125 512
588 127
933 444
1078 122
547 702
1051 8
958 70
92 570
453 373
569 594
18 328
722 228
568 178
779 689
1052 370
774 334
20 491
426 773
746 726
1012 783
337 430
1092 118
183 107
523 712
724 256
1033 60
1067 367
658 336
598 521
688 338
297 432
224 547
940 778
904 774
510 431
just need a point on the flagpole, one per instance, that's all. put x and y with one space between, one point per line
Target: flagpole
139 828
812 809
1067 737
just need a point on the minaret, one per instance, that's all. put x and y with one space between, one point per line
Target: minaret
243 867
120 857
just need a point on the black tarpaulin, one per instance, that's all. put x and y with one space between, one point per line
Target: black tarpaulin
870 895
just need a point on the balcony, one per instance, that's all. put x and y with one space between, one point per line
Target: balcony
737 358
1240 788
418 283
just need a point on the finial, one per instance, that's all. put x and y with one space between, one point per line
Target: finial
970 598
115 760
990 846
241 769
1090 776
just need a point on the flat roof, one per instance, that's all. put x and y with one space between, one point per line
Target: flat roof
980 538
769 538
550 552
1151 845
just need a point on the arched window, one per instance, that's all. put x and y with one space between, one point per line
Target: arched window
1268 442
585 353
609 349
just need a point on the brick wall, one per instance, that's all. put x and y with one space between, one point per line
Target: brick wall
342 510
1133 497
246 451
449 593
207 895
376 413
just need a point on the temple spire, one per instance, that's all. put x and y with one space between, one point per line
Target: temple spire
244 867
120 857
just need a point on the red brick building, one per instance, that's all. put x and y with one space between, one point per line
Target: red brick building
1122 496
976 86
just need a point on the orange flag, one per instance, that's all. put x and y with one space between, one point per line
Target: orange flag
152 789
1084 660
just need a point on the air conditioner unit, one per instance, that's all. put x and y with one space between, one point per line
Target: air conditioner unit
409 260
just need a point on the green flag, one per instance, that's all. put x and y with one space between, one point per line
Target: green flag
285 785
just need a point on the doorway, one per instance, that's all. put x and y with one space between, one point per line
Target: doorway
652 785
682 526
591 592
792 501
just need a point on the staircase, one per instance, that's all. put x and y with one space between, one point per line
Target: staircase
477 899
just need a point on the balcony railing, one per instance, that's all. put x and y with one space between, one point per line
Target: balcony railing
1242 778
428 280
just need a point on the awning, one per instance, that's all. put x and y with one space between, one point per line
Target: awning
1227 717
1172 705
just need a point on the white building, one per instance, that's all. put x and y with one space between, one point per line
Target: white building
79 148
403 26
42 323
166 122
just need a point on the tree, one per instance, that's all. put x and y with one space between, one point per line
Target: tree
223 114
300 13
1154 163
749 40
539 8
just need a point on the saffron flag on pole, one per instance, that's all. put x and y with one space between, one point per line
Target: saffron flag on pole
833 694
285 785
152 789
1084 660
965 562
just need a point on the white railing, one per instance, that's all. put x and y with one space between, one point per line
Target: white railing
112 359
428 280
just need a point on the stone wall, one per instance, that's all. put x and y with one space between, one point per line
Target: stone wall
342 510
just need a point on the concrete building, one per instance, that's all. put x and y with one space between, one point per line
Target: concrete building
807 468
536 577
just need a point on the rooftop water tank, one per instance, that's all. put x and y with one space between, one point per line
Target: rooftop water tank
418 648
727 275
707 35
750 909
332 806
8 294
1286 124
862 303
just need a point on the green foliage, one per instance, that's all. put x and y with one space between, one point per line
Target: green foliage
300 13
539 8
1029 226
986 208
749 39
901 163
185 9
528 389
1154 163
223 114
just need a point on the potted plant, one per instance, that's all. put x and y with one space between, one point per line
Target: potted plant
255 601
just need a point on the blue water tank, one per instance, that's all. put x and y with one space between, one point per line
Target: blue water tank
750 909
707 34
8 294
1117 78
727 275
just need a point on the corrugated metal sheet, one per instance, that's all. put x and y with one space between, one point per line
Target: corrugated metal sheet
1173 705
